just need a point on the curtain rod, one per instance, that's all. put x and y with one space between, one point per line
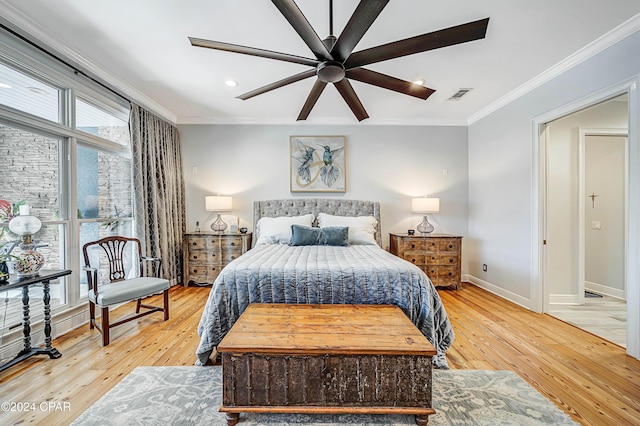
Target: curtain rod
62 61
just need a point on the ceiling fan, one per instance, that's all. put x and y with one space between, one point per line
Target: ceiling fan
335 62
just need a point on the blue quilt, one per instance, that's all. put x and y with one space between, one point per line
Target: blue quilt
356 274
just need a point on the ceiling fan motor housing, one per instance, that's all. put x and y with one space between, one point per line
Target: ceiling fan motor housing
330 71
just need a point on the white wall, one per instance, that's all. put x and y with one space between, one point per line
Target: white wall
562 191
605 247
501 175
514 246
390 164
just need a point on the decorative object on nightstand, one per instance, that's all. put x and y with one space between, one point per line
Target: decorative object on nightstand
217 203
425 205
25 225
438 255
206 253
234 226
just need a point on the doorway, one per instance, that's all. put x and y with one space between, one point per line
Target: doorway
586 176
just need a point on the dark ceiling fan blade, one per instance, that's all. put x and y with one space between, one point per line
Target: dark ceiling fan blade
390 83
359 23
236 48
350 97
277 84
315 93
299 22
422 43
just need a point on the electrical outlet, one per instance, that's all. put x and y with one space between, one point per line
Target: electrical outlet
484 267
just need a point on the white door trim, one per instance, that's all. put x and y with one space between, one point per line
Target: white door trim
538 229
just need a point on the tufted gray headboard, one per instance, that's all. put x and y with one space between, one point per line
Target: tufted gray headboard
300 206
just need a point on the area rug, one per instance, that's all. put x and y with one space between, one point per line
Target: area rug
192 395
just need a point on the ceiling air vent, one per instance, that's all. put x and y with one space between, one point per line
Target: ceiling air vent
459 94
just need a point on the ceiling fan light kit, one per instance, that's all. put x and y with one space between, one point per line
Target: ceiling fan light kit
330 71
336 63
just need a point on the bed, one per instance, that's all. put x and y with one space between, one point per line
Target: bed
345 271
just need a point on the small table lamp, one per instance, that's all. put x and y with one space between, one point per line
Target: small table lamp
25 226
217 203
425 205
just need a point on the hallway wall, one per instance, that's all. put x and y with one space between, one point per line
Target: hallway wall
604 226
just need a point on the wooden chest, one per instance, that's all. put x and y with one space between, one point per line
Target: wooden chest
326 359
438 255
206 253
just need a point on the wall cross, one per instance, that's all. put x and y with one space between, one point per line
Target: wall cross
593 199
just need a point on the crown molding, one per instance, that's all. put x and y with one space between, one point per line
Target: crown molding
612 37
320 121
30 27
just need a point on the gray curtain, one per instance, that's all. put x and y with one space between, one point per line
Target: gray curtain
159 200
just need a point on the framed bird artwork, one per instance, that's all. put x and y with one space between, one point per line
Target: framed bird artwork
318 164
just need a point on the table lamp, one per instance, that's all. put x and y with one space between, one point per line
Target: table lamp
25 226
425 205
217 203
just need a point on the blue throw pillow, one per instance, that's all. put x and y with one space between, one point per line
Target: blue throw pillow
334 236
328 236
304 235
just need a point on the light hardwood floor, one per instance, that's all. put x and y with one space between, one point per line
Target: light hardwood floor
589 378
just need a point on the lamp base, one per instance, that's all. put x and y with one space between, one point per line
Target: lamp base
425 227
29 262
218 225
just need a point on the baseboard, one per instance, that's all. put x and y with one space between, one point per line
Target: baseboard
574 299
605 290
564 299
498 291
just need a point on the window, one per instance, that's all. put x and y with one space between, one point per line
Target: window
66 151
22 92
31 172
100 123
104 185
104 199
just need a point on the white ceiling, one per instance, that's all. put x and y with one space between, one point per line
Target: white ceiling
141 47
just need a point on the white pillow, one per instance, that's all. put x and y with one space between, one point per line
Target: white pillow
277 230
362 229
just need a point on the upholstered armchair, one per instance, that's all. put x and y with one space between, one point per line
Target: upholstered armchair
121 286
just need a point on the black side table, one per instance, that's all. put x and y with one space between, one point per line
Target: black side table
44 277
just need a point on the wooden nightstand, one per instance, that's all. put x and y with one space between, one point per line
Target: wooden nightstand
438 255
206 253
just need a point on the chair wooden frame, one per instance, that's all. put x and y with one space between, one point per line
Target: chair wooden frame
114 248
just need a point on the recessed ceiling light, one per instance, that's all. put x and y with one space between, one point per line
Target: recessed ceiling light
419 82
4 86
37 90
231 83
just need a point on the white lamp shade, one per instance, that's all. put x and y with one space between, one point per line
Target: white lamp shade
217 203
425 205
25 225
